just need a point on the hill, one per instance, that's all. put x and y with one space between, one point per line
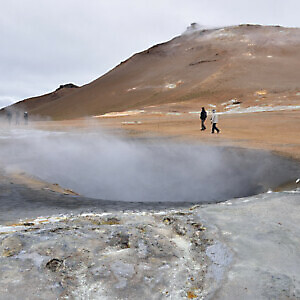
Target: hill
33 103
243 62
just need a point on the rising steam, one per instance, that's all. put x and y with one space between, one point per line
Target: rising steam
98 165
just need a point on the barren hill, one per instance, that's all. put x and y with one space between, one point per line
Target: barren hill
200 66
33 103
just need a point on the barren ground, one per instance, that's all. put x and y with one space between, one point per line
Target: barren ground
241 249
274 131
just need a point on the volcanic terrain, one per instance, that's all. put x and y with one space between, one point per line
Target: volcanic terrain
249 65
57 243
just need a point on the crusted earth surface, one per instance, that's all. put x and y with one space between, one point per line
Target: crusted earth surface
144 255
243 248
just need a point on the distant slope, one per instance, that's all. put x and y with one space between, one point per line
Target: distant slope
33 103
200 65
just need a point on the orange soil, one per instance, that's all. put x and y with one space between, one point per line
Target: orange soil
274 131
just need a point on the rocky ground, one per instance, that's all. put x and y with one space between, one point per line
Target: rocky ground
241 249
107 256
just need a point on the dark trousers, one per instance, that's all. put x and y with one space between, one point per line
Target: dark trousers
202 125
214 127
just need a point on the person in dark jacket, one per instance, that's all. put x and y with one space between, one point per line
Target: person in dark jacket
203 116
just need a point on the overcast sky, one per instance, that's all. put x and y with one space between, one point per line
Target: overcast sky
45 43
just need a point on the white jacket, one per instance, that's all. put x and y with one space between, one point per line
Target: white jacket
214 118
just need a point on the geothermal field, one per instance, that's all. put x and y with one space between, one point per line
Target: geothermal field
111 191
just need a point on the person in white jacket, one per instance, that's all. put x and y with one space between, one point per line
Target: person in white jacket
214 121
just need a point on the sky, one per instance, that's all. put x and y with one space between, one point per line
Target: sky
46 43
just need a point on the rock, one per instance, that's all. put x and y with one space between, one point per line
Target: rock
68 85
167 220
54 264
28 224
236 102
194 27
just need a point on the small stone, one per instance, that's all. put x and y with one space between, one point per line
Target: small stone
28 224
167 220
54 264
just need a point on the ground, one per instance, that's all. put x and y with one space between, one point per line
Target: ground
240 249
276 131
85 249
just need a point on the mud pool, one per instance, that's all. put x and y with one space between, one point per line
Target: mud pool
102 166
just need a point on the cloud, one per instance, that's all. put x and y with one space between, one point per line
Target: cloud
47 43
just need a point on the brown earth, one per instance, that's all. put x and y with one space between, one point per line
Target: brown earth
33 103
247 63
273 131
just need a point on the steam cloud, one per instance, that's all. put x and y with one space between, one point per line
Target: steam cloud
101 166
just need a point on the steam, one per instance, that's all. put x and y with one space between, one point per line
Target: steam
14 116
101 166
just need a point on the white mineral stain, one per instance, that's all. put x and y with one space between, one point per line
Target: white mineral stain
171 85
120 114
132 123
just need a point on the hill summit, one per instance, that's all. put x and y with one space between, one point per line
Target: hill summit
200 66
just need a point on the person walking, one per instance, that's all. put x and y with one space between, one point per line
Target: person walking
9 117
26 118
203 116
214 122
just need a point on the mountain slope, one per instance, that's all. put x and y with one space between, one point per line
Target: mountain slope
204 66
33 103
